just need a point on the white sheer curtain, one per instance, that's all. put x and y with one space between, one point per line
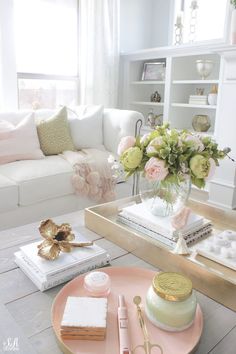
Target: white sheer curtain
98 51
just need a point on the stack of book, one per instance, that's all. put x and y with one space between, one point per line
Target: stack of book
198 99
139 218
46 274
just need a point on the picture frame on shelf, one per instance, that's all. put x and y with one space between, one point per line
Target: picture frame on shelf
153 71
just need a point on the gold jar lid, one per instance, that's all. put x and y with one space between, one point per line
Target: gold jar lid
172 286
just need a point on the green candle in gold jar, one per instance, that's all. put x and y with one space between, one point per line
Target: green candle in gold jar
171 302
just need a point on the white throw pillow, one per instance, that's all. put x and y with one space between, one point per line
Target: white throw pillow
86 125
19 142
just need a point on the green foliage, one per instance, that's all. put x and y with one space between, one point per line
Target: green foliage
233 2
177 149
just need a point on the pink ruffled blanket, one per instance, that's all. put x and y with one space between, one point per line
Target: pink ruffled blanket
92 174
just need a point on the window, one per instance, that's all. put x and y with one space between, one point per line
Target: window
46 52
206 19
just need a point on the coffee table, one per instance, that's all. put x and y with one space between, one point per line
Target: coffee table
25 324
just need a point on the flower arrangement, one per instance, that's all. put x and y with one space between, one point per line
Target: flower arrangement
233 2
170 155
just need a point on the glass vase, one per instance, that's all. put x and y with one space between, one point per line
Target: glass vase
164 198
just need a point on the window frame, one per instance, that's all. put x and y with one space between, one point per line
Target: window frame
178 5
9 73
35 76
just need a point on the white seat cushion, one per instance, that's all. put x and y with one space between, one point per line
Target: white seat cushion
8 194
40 180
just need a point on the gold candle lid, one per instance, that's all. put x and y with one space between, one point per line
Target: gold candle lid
172 286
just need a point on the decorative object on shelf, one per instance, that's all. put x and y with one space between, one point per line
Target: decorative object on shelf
151 119
201 122
155 97
154 120
179 221
147 347
169 161
153 71
212 96
193 20
233 23
179 29
159 119
56 239
204 67
171 302
200 91
199 98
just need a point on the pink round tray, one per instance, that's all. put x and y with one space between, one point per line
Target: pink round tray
128 281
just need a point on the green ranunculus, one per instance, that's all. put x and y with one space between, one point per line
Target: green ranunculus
200 166
131 158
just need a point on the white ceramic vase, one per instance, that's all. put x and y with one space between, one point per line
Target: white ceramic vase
233 27
212 99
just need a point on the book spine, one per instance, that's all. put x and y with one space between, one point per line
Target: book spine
62 271
28 272
65 272
88 268
148 232
43 284
54 272
148 225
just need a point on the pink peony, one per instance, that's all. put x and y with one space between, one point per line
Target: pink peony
197 143
126 143
145 138
211 170
155 169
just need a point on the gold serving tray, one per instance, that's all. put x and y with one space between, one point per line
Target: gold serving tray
211 278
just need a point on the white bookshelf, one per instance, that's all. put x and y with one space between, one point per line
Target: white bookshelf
201 82
181 81
148 82
154 104
187 105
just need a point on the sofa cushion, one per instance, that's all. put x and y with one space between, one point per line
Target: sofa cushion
40 180
19 142
8 194
54 134
86 125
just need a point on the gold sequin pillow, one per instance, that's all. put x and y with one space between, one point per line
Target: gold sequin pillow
54 134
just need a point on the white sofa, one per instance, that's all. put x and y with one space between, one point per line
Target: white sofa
31 190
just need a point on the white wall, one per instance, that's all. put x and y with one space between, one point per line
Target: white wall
144 24
161 18
135 19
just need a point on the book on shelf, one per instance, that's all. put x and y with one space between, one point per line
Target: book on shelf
197 99
200 232
139 214
46 274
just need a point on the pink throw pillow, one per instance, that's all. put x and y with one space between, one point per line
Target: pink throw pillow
19 142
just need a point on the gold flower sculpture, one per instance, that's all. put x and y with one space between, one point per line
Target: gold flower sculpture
56 239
